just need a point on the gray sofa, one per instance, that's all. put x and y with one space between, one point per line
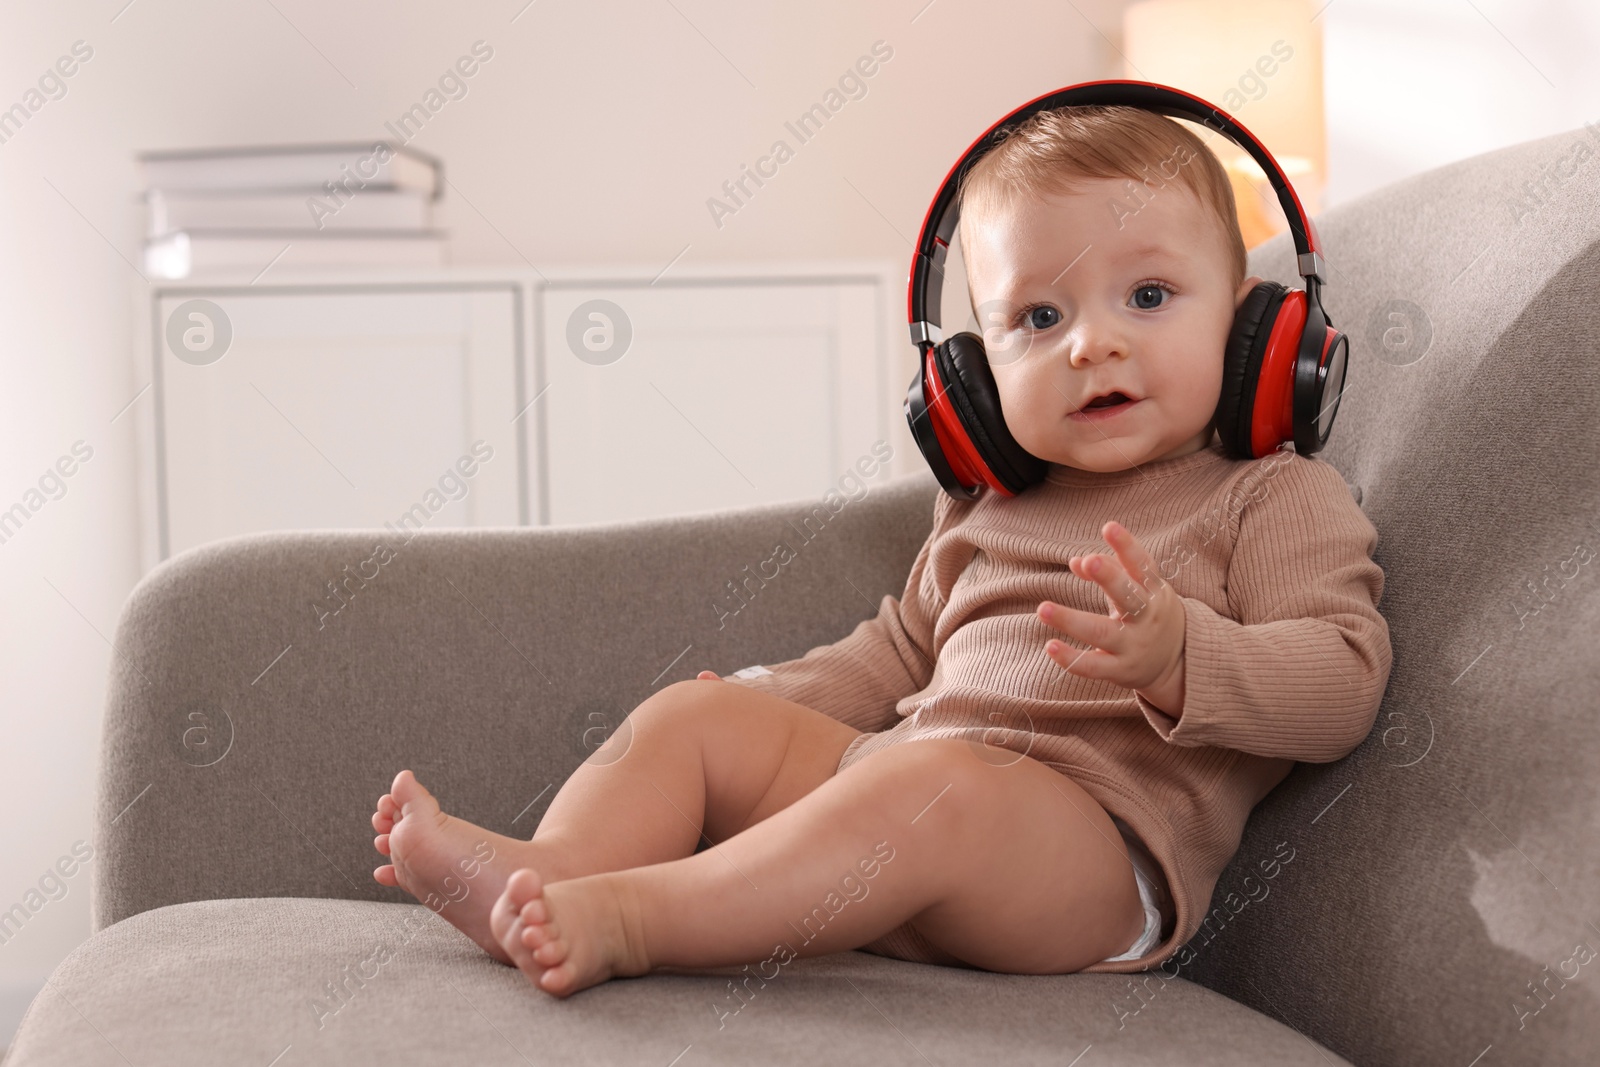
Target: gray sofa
1432 899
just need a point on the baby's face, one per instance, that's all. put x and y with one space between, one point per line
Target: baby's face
1073 306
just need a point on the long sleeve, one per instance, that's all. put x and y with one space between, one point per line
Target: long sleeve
860 678
1300 670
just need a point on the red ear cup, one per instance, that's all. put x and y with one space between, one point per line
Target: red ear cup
1272 415
1271 392
966 441
1255 409
938 433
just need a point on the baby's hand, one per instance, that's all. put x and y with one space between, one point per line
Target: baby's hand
1140 645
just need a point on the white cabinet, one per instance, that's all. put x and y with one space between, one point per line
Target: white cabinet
727 393
501 397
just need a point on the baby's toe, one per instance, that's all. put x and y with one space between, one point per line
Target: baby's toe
535 911
385 875
558 979
505 922
552 952
381 843
502 916
538 934
406 790
522 888
505 915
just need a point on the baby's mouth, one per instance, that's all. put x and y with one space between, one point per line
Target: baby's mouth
1107 401
1104 407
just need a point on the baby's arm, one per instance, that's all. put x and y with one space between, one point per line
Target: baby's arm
859 678
1300 670
1297 667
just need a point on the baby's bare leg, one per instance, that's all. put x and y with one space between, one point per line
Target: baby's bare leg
697 759
1007 866
708 753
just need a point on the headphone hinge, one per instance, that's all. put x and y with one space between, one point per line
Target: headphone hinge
1311 265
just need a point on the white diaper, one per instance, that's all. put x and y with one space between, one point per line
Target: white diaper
1152 894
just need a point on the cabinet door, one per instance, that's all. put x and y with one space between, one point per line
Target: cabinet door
664 398
335 407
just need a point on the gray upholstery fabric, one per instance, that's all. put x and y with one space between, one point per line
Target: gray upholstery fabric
1441 900
1454 858
244 981
490 662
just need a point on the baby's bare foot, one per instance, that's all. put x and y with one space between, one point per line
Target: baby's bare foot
570 935
454 867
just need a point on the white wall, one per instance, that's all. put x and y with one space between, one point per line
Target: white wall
1415 84
595 134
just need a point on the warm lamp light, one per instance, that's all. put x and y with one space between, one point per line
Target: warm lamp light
1261 62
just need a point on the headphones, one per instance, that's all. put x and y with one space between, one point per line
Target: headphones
1284 363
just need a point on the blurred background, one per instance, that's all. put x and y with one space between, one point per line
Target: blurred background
580 282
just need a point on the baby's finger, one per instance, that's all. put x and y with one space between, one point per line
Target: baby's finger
1084 627
1085 663
1122 593
1080 566
1136 561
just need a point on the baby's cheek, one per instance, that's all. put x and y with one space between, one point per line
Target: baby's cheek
1025 417
1188 397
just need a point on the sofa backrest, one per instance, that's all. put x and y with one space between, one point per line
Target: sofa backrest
1445 887
266 689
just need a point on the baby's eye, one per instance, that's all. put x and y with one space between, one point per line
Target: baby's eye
1041 316
1147 297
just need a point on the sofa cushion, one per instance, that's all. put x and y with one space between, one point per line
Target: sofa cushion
254 981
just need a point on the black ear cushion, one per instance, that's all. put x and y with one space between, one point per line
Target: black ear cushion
965 367
1241 365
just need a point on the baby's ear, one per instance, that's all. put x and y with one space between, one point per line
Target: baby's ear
1245 287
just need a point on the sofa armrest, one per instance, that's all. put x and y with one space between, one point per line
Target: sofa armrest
265 689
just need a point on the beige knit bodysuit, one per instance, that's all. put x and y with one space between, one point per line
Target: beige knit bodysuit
1286 655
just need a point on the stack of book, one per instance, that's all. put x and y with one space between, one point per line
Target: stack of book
234 210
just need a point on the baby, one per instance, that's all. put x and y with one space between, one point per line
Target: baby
1093 727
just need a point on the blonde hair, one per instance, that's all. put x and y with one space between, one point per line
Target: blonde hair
1053 151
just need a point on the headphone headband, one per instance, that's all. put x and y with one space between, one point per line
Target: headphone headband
938 226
